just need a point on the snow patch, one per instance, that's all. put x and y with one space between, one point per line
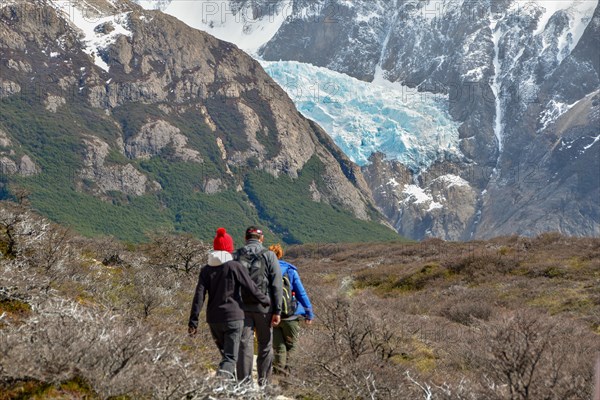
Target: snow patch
579 14
368 17
597 138
247 27
475 74
149 4
577 10
85 17
495 86
452 180
416 194
393 182
554 109
6 3
434 205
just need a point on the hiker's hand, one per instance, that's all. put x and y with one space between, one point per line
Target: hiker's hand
192 331
308 321
275 320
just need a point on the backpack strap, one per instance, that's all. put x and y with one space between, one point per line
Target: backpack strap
263 254
236 254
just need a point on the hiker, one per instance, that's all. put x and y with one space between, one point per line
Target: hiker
264 270
285 335
223 279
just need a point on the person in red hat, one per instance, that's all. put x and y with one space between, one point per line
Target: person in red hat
222 279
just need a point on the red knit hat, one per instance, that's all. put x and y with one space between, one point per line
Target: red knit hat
223 241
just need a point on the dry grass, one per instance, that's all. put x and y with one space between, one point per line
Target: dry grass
430 320
448 301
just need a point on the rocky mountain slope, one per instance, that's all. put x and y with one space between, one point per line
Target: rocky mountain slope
513 71
120 120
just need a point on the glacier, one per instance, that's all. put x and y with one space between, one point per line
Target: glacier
367 117
361 117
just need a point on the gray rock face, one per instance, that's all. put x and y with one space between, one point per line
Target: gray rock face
19 65
27 167
154 137
170 63
111 177
435 204
511 70
54 102
10 163
558 188
23 166
8 88
5 141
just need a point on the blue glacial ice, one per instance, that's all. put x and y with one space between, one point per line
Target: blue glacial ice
362 118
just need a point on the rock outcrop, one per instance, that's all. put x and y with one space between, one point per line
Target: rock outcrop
13 164
156 136
101 177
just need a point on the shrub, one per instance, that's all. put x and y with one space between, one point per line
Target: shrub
476 267
420 279
177 252
526 355
467 313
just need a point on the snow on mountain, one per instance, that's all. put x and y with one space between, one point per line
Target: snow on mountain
99 32
495 86
515 73
416 195
578 11
555 29
363 118
154 4
248 26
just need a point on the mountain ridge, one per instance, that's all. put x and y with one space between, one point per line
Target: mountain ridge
170 133
510 69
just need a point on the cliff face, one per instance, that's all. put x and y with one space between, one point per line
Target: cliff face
137 89
521 78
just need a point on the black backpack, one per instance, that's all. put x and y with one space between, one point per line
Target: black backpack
289 304
256 265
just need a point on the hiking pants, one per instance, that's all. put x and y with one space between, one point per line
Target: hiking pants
261 324
285 337
227 336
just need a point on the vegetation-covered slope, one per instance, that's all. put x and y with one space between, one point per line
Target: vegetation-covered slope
509 318
173 136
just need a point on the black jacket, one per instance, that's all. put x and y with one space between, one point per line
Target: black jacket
223 282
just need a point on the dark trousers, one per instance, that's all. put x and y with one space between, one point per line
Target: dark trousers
285 337
261 324
227 336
